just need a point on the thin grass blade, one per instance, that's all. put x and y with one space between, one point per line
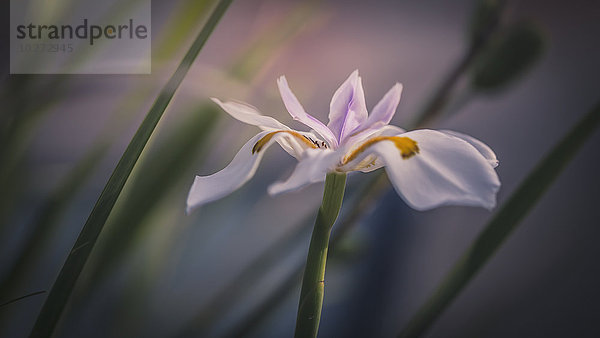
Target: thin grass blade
22 297
50 214
503 224
61 290
47 218
157 175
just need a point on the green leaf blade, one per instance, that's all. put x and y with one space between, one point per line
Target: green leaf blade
503 224
61 290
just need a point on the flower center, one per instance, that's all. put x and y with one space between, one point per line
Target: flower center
407 146
303 139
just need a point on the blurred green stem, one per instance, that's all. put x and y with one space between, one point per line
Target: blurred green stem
503 224
25 115
442 95
34 243
153 178
484 26
48 218
62 288
313 282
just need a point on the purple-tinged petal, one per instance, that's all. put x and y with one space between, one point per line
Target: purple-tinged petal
386 108
381 115
299 114
250 115
347 109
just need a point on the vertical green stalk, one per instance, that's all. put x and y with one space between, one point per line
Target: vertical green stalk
313 282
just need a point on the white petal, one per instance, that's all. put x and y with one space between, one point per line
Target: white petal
367 162
293 146
388 130
383 112
296 110
248 114
243 166
311 169
347 109
481 147
447 171
357 139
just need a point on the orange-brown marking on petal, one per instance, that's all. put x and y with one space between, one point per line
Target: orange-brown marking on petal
407 146
261 143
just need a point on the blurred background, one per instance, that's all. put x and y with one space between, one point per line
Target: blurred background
232 268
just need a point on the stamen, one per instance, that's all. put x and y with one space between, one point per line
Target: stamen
372 163
261 143
319 145
407 146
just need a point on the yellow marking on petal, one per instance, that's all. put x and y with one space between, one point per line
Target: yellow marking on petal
367 163
407 146
261 143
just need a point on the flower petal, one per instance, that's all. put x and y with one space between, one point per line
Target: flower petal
311 169
370 162
243 166
296 110
248 114
481 147
388 130
295 142
381 115
347 109
384 110
356 140
446 171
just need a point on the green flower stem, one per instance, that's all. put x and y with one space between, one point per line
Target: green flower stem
292 279
313 282
503 224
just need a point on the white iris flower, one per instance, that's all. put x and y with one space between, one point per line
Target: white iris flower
428 168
